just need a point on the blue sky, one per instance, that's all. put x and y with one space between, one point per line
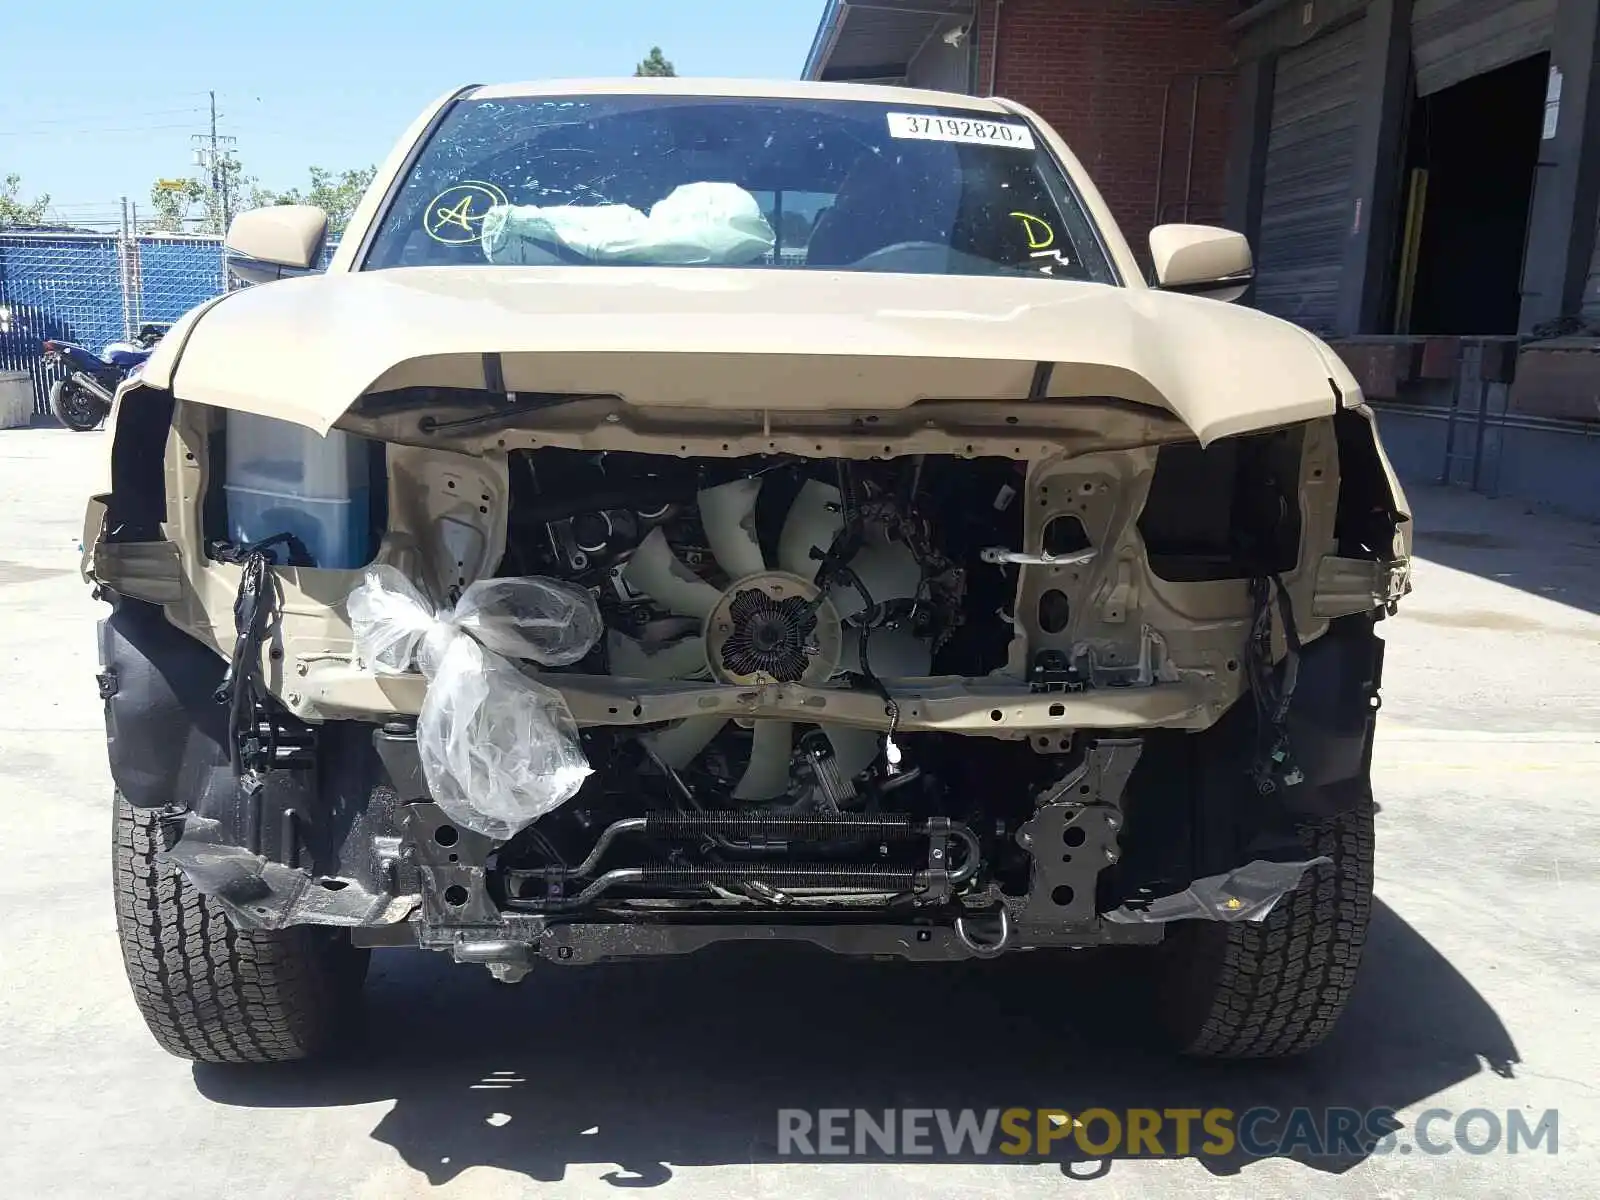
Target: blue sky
329 84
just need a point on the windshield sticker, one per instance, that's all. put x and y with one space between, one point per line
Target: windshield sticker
960 129
455 215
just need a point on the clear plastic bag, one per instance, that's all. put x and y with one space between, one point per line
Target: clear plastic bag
498 748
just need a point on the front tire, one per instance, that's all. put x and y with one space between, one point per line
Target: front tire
79 409
214 993
1277 988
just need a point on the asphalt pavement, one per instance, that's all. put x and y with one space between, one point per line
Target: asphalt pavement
1478 991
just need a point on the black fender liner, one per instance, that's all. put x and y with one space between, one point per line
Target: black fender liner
1193 809
166 736
318 842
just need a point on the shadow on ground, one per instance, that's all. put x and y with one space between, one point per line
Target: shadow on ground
1504 541
686 1062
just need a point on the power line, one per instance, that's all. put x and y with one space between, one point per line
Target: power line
122 116
86 132
66 104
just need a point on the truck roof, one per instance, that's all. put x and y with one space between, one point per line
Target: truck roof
763 89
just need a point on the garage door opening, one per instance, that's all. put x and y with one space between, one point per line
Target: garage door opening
1472 150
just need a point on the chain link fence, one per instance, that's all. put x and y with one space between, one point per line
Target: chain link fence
93 288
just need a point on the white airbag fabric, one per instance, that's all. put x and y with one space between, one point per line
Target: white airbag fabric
698 223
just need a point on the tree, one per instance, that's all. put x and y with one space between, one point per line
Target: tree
336 193
13 211
171 200
654 64
174 201
219 208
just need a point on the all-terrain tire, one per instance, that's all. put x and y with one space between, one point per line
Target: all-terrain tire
211 992
1277 988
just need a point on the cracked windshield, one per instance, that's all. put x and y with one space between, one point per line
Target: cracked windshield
670 181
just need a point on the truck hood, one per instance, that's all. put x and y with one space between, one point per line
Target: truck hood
305 350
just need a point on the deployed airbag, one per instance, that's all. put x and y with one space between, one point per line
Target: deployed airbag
715 224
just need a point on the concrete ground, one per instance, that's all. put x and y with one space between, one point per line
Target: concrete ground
1479 988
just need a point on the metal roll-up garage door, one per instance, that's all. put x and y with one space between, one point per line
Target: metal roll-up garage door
1305 200
1453 40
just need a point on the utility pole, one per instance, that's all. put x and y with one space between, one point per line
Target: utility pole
215 153
126 250
216 163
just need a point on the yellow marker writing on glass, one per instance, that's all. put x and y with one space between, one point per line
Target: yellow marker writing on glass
461 214
455 215
1040 234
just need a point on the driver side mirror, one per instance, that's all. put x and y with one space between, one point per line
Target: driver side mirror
1202 260
264 244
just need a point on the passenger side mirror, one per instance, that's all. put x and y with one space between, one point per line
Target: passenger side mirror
1202 260
268 243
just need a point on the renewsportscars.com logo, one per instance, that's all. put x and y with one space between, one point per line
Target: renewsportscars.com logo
1045 1133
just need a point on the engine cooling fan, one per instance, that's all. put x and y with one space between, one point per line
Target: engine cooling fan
765 636
769 626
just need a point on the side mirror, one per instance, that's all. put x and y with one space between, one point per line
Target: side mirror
1202 260
268 243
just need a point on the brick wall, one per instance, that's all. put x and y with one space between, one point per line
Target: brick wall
1099 71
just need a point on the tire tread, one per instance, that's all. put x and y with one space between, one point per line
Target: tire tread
209 991
1277 988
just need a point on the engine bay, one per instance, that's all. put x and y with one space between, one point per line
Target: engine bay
994 694
892 548
774 571
778 570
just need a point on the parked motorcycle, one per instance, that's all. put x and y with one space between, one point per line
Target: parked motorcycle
81 399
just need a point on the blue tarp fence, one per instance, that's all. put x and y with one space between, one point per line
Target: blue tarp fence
96 288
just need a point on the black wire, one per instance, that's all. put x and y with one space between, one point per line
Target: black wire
1272 691
834 567
870 616
889 705
242 688
547 848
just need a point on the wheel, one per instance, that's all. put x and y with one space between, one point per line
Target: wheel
1274 988
217 994
75 407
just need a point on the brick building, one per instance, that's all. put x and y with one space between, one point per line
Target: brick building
1420 180
1141 89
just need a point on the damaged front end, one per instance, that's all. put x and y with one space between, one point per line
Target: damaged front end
937 682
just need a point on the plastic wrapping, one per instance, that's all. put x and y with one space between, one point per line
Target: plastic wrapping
498 748
697 223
